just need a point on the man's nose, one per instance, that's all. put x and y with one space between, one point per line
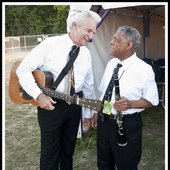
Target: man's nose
91 36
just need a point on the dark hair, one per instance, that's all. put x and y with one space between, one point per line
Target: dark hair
131 34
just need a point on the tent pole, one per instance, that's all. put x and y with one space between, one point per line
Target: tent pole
103 17
144 47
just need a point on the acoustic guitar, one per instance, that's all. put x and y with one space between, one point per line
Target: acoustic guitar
44 80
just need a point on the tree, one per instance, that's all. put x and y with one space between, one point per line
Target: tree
60 26
35 19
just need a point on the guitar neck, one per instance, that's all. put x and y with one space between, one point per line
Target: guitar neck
88 103
92 104
58 95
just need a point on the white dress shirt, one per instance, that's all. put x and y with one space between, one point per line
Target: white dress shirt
51 55
136 81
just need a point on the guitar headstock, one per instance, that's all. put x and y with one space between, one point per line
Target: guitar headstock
90 103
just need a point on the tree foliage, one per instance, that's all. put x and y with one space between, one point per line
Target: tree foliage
35 19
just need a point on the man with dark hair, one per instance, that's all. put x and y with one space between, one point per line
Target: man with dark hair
119 126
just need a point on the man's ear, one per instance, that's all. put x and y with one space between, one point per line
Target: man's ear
74 25
130 44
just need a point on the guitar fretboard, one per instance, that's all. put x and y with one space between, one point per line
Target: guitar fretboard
58 95
88 103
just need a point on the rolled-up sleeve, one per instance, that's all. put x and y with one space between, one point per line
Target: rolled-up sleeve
150 90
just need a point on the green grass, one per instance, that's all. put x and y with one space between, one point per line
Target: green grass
153 157
22 140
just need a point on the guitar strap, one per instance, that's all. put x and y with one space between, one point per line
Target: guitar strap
73 55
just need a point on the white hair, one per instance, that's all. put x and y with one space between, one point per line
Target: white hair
79 16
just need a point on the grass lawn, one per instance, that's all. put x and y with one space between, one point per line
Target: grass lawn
22 147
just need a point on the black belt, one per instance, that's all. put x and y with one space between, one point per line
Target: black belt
113 116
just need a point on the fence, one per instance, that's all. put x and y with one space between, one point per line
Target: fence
23 43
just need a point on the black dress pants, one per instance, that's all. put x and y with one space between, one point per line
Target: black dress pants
58 129
109 154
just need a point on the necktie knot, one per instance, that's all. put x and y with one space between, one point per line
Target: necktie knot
74 53
75 48
117 68
119 65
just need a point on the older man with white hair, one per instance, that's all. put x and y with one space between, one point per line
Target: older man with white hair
58 120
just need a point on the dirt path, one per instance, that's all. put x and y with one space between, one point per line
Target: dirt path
10 58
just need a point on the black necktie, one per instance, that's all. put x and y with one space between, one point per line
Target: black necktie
73 55
108 93
116 82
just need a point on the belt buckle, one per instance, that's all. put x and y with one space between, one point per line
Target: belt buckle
113 116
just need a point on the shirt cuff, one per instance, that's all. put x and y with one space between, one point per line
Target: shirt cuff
36 94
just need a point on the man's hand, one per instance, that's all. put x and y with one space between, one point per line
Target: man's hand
94 120
86 124
45 102
122 104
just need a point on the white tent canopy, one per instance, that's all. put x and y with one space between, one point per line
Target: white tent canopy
83 7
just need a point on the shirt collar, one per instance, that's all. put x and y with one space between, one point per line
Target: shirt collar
129 61
69 42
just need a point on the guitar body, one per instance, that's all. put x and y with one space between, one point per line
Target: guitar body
17 93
